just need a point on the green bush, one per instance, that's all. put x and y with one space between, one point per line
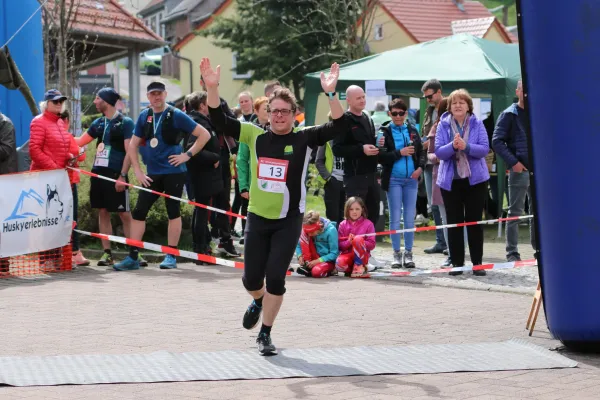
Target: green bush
87 120
156 222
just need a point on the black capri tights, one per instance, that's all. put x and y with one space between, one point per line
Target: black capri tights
171 184
268 250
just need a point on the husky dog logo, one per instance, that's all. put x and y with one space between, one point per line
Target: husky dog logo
53 201
26 206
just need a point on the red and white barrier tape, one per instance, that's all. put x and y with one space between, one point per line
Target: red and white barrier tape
164 249
236 264
418 272
433 228
193 203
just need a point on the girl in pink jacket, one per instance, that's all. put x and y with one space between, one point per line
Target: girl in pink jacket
355 250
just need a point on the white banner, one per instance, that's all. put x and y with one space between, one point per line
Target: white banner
375 88
36 211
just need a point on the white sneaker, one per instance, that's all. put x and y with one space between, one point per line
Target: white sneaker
376 262
371 267
421 220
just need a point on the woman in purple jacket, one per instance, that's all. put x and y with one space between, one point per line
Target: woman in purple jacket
461 144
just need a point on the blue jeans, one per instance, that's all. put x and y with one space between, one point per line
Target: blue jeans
435 210
402 197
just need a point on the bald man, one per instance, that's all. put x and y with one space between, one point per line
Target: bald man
359 150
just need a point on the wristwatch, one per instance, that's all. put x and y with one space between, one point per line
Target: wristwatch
189 154
123 175
331 95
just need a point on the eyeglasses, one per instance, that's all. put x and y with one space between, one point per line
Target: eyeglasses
398 113
429 96
283 112
57 101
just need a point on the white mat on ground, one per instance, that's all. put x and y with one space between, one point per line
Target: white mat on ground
164 366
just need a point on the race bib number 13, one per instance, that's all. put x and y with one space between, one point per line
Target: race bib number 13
272 174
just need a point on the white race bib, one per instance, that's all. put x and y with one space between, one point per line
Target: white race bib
102 157
272 174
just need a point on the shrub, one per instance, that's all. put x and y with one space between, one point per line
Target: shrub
87 120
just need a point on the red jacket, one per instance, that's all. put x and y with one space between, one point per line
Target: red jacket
50 145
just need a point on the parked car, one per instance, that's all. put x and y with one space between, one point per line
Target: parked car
150 61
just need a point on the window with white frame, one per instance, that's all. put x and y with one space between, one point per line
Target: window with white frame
378 31
237 74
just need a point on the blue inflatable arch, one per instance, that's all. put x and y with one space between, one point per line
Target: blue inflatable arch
560 64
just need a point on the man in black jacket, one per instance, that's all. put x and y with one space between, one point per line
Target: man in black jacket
8 162
228 148
206 174
360 153
510 142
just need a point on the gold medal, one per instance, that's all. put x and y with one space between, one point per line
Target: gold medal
154 142
100 148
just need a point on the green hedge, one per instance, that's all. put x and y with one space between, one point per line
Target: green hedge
87 120
156 223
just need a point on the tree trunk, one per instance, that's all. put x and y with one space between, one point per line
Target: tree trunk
505 15
297 92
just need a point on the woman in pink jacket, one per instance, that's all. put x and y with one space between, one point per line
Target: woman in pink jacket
50 145
355 250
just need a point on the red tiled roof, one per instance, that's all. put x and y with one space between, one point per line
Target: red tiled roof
107 17
476 27
428 20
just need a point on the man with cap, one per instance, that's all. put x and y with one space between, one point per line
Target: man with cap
112 131
160 129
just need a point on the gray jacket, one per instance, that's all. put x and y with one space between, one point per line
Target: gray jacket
8 148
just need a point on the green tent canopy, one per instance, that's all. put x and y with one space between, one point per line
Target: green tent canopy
485 68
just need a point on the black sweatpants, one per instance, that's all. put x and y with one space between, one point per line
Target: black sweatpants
200 219
367 188
239 203
335 198
465 203
269 247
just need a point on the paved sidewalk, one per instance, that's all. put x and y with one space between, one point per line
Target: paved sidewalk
93 310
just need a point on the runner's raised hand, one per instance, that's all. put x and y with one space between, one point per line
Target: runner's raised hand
211 77
329 82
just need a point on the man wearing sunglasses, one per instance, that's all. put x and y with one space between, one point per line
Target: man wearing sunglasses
432 92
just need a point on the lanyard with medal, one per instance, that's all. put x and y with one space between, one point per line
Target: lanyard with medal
101 146
154 140
103 151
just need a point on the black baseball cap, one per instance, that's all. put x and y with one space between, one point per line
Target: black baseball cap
156 87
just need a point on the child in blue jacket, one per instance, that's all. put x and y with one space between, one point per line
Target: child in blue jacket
317 249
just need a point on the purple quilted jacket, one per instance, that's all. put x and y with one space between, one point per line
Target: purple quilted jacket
479 147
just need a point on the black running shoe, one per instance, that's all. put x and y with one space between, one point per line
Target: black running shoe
303 271
251 316
228 248
265 345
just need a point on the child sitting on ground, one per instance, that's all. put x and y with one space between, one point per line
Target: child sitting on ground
355 250
317 249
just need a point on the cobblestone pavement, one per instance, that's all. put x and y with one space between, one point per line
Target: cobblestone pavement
93 310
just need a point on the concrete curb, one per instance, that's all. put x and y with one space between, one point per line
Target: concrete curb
460 285
155 258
